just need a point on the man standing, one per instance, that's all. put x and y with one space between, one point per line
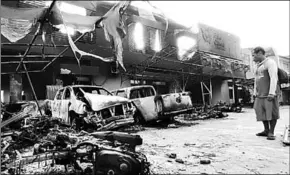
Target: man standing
266 92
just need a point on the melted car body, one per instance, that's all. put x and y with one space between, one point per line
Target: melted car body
156 107
94 105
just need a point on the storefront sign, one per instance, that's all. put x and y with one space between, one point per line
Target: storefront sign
219 42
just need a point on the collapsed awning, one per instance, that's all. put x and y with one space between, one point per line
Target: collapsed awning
15 26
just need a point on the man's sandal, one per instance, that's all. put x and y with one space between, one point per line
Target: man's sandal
271 137
263 134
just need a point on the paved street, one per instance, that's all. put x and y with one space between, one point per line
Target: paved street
229 143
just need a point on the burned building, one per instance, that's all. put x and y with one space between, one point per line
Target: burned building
169 57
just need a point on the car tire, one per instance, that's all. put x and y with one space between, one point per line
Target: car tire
72 119
168 120
159 107
139 118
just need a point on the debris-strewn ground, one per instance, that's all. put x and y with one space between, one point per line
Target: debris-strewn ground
227 145
191 144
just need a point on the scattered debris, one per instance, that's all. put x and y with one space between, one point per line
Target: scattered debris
224 107
204 161
189 144
15 112
35 139
172 156
203 113
179 161
172 126
65 148
132 128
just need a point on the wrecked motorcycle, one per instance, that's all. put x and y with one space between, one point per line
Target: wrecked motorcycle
98 160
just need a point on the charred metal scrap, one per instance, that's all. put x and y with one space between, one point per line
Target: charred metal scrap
95 153
55 140
224 107
206 112
87 109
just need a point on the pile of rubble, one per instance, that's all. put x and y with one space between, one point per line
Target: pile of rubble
31 136
225 107
204 112
28 139
83 153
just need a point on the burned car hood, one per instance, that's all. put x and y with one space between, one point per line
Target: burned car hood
99 102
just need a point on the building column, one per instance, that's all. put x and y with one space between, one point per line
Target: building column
220 91
15 88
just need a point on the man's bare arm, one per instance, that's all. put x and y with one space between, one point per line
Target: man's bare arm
273 73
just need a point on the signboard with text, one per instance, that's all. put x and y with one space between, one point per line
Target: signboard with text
219 42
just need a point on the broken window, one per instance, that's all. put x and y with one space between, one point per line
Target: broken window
135 94
104 92
67 94
59 94
78 93
141 93
121 94
147 92
92 90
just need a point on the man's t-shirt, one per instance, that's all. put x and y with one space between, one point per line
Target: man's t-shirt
266 78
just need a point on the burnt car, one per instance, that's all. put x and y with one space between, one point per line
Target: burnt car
92 107
152 107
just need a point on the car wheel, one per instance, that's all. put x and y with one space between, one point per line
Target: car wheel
139 118
168 119
159 107
72 119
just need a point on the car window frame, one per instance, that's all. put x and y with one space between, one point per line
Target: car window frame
98 89
59 93
64 94
135 90
123 91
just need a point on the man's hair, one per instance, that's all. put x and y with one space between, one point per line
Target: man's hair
259 49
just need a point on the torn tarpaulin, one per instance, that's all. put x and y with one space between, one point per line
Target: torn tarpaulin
80 23
77 22
14 29
82 53
114 28
21 13
16 23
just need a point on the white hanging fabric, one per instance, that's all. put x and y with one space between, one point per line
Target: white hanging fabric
16 23
72 44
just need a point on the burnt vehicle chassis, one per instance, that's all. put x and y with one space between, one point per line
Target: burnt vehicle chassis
119 159
88 111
